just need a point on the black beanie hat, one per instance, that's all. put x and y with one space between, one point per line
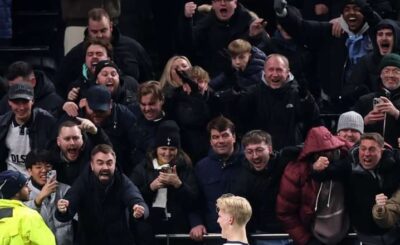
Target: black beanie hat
11 182
168 134
391 59
105 63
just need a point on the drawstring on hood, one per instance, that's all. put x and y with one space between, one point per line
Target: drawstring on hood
329 195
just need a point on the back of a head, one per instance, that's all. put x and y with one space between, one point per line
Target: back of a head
18 69
11 182
238 207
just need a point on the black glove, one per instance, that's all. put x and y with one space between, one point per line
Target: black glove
186 79
280 7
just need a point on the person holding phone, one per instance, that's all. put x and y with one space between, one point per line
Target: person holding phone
45 192
167 182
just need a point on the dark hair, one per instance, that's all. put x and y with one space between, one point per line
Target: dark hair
103 148
18 69
375 137
66 124
36 156
150 87
220 124
101 42
256 137
97 14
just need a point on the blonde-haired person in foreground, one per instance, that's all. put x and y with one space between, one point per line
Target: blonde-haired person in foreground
233 214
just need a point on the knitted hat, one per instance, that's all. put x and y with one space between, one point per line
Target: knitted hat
351 120
105 63
391 59
168 134
11 182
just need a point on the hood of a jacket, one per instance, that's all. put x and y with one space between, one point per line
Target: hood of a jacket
43 85
320 139
383 24
256 62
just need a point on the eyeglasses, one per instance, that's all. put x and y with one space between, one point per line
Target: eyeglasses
388 71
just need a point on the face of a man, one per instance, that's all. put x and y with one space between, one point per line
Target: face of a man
165 154
276 72
23 194
224 9
109 77
103 166
94 54
97 117
224 220
351 135
239 62
369 154
385 39
39 171
390 76
22 109
70 142
258 155
353 17
151 107
100 29
222 143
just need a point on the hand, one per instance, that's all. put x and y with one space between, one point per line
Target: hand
47 189
373 117
381 199
257 27
197 232
70 108
62 205
321 9
186 88
73 94
280 7
87 125
337 30
138 211
156 184
170 178
190 9
386 106
321 164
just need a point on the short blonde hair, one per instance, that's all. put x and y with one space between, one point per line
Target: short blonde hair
239 46
198 73
236 206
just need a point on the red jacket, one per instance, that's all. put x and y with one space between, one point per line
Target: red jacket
298 191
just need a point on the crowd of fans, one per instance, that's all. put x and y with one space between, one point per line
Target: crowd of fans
112 150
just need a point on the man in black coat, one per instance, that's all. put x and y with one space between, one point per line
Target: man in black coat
103 197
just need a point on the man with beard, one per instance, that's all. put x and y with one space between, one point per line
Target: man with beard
365 77
380 109
206 40
103 196
216 174
18 223
116 121
336 57
129 55
75 140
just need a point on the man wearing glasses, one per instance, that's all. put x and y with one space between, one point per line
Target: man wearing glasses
380 109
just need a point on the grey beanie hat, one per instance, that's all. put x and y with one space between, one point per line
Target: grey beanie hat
352 120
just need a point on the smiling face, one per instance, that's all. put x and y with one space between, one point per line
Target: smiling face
369 153
224 9
38 172
109 77
70 142
390 76
94 54
258 155
385 40
353 17
165 154
223 142
276 72
22 109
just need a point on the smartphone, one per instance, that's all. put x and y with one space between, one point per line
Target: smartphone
166 169
51 175
376 101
